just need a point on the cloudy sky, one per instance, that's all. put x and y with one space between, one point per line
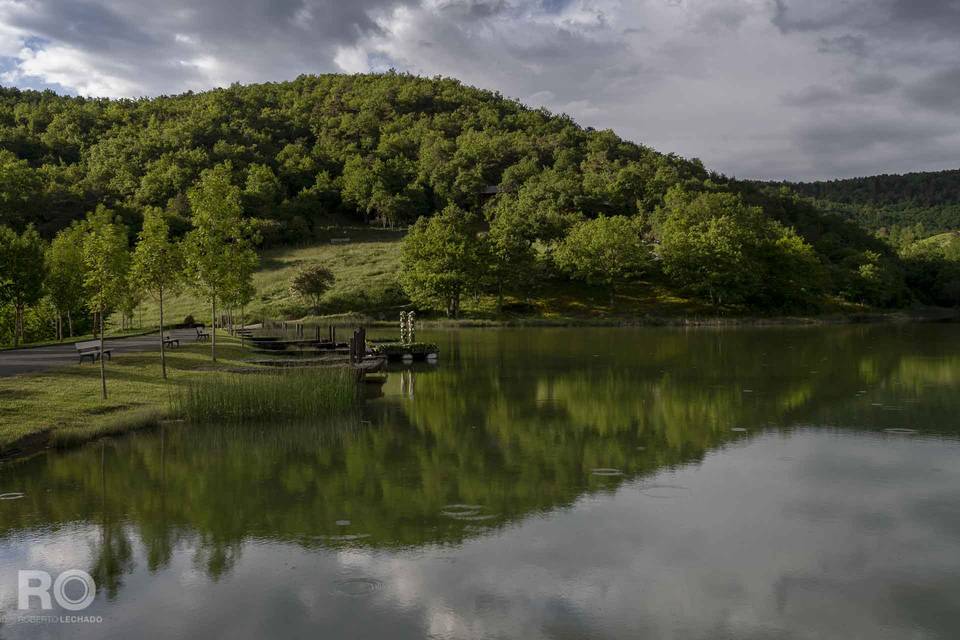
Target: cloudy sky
756 88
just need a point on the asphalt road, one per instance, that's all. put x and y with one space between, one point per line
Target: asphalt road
42 358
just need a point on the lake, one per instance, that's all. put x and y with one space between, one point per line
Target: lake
536 483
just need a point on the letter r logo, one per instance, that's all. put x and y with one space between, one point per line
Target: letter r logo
33 584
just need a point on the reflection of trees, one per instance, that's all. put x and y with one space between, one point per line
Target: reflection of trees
512 421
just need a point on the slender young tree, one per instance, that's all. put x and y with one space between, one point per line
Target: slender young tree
22 271
157 265
218 251
106 260
65 274
311 283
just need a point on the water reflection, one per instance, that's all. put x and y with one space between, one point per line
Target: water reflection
679 484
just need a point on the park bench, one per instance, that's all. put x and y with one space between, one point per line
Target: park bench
201 334
91 349
169 341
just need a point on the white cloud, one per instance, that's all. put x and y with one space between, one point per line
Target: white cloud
74 68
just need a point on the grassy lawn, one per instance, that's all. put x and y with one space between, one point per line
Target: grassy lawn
365 271
67 401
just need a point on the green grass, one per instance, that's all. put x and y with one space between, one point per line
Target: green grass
365 270
64 404
941 239
251 397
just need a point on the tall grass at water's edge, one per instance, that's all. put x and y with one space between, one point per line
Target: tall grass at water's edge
302 393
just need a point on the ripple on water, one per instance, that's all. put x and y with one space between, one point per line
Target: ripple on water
348 537
607 472
13 495
477 518
461 511
738 430
343 523
665 491
900 431
357 587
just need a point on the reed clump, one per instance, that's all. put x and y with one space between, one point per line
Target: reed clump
295 393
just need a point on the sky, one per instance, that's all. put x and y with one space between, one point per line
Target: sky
769 89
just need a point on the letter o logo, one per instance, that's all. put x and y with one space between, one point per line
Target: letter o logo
60 590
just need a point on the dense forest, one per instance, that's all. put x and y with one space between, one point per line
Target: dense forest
498 196
899 207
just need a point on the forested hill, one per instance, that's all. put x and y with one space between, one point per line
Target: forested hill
381 148
388 149
891 203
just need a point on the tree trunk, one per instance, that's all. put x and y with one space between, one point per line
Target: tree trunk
163 358
59 327
103 371
70 323
213 329
17 324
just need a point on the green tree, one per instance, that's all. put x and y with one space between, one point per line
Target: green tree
716 247
106 262
219 254
605 251
311 283
157 265
510 249
22 272
19 188
262 190
440 260
65 268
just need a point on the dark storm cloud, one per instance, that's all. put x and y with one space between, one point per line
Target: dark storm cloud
97 26
936 16
757 88
874 84
847 43
813 97
940 91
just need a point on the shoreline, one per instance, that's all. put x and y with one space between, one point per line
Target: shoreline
152 416
922 315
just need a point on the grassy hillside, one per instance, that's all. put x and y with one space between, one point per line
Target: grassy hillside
942 239
365 269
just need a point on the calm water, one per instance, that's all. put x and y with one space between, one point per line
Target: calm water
549 483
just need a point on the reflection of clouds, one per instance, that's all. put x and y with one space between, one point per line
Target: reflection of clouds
70 547
808 534
737 555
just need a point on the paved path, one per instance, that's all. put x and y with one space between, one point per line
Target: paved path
42 358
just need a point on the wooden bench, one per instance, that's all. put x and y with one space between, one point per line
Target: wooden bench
91 349
201 334
169 341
